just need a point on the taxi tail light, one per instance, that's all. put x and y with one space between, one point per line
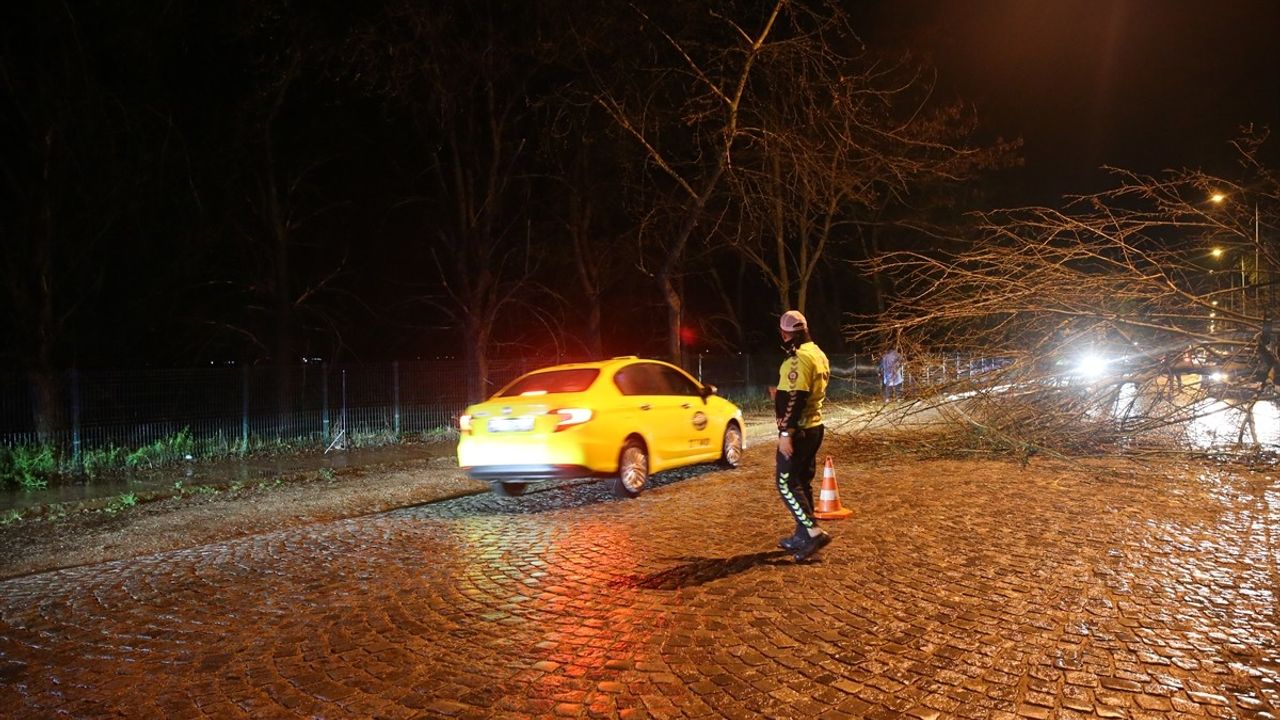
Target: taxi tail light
464 424
570 417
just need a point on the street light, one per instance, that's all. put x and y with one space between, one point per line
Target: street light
1217 254
1218 198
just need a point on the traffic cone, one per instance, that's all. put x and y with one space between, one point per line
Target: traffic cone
829 507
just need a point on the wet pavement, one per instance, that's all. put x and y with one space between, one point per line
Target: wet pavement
958 589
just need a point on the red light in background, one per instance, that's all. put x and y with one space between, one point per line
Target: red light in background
688 335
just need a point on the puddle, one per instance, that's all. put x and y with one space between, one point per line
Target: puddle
1205 424
1218 424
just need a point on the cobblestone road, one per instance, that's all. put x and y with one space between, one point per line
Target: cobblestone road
957 590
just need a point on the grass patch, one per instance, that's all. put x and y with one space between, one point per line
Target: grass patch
181 489
119 504
33 467
374 438
440 434
28 466
101 460
165 451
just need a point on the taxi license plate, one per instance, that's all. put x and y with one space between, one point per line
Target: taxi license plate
512 424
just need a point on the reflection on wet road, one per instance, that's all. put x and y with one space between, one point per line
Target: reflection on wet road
1219 424
958 589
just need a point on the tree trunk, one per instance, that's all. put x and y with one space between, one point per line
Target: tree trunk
284 345
49 412
49 407
871 250
477 360
586 264
595 343
675 309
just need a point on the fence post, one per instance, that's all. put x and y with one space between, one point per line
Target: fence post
244 409
324 403
75 419
345 428
395 396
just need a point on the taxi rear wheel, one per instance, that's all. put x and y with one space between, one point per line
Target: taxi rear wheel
509 489
731 447
633 470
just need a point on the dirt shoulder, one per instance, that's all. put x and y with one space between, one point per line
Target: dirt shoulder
98 531
189 515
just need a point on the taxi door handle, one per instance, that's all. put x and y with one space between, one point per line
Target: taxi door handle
645 406
686 406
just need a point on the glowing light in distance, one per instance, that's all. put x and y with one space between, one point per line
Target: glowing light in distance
1092 366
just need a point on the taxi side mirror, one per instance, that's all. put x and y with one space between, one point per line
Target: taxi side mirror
708 391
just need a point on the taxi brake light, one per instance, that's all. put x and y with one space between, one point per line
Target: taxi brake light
570 417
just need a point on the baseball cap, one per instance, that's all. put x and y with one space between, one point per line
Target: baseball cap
792 321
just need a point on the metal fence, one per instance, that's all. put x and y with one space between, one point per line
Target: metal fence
746 378
248 407
237 407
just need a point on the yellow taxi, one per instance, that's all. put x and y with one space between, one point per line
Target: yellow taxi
624 418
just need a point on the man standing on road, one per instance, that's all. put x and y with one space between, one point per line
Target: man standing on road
802 387
891 374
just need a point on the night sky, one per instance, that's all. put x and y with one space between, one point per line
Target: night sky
171 124
1140 84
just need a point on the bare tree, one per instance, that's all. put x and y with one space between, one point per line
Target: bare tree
472 100
838 142
590 200
74 175
274 292
1153 282
694 144
791 137
278 202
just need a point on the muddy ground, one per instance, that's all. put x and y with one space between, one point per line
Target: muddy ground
188 515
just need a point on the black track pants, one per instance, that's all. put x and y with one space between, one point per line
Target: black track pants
795 475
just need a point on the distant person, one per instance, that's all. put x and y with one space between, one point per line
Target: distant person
1268 365
802 388
891 375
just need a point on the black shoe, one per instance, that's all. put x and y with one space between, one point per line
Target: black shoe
810 545
791 543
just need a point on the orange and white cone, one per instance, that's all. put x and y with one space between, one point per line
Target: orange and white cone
829 507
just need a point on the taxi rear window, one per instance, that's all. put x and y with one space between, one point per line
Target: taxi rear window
555 381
